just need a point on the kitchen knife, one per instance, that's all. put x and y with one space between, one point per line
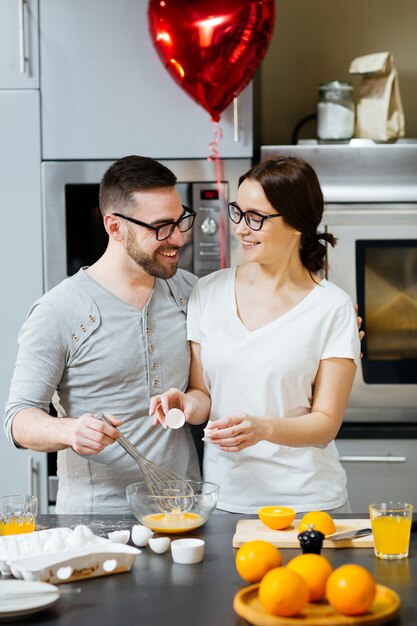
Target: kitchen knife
350 534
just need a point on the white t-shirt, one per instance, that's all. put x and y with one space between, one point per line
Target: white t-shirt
270 371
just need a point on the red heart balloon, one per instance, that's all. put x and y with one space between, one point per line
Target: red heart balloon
211 48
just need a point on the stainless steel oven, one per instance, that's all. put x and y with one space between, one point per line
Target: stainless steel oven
371 207
73 233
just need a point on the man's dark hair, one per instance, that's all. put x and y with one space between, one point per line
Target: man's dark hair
130 174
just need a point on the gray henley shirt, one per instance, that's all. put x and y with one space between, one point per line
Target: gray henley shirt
101 354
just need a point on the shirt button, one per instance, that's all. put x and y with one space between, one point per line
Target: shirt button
148 330
83 328
91 318
181 301
153 365
151 349
75 337
155 382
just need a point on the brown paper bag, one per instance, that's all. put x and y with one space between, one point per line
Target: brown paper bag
379 111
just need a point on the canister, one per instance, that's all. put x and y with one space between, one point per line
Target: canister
335 111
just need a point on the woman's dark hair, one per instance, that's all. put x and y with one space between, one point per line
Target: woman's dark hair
293 190
130 174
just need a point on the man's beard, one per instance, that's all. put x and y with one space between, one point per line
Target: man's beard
150 263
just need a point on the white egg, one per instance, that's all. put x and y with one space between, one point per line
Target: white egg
26 548
141 535
159 544
75 541
13 549
55 543
36 544
119 536
44 535
84 531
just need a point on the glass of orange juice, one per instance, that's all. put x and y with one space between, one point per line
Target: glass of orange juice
17 514
391 527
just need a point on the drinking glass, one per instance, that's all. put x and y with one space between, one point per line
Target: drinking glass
17 514
391 527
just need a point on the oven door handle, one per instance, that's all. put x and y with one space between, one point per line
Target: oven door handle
373 459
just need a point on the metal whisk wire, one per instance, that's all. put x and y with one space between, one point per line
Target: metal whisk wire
173 491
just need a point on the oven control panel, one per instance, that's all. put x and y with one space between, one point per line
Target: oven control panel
210 236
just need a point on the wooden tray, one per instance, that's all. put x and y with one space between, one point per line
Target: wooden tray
250 529
385 607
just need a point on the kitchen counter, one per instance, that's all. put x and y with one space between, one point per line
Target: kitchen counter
159 592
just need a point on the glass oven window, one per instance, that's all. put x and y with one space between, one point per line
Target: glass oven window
386 276
86 236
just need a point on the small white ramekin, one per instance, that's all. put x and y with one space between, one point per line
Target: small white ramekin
187 551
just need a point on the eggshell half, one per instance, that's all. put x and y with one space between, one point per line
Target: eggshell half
159 544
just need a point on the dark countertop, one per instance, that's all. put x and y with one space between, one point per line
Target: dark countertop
158 592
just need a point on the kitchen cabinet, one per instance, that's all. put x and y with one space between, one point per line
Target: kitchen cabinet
23 472
106 94
20 262
379 470
19 44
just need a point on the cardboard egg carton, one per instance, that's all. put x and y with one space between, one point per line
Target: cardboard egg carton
61 555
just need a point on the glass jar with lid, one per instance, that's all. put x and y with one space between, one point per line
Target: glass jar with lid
335 111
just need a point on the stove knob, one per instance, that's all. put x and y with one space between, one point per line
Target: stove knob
209 226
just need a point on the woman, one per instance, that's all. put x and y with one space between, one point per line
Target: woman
274 352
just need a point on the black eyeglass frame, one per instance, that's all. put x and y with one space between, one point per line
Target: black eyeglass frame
189 213
243 214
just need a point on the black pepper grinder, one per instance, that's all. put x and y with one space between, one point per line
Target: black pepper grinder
311 540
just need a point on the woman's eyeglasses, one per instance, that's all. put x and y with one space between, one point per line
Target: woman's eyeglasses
163 231
254 220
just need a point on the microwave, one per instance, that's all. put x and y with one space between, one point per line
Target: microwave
73 231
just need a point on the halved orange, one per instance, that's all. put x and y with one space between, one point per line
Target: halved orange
276 517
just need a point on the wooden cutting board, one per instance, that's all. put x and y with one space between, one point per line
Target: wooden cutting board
251 529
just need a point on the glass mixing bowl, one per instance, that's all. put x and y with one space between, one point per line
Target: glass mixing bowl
170 510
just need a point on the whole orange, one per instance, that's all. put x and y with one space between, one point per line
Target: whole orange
315 569
283 592
320 520
255 558
351 589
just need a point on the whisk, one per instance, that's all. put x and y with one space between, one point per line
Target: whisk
173 491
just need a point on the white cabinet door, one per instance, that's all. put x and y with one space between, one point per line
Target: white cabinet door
19 44
21 247
105 93
379 470
23 472
20 260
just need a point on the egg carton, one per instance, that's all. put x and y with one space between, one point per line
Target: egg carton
63 555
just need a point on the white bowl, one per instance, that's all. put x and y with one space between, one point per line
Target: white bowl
187 551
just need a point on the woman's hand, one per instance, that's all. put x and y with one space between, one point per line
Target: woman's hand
171 399
237 432
359 321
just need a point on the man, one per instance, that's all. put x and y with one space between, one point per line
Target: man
106 340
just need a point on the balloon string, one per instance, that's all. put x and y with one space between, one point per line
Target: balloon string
214 156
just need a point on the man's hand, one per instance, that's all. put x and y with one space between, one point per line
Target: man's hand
88 435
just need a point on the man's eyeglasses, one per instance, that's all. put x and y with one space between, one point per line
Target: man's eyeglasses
163 231
253 219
